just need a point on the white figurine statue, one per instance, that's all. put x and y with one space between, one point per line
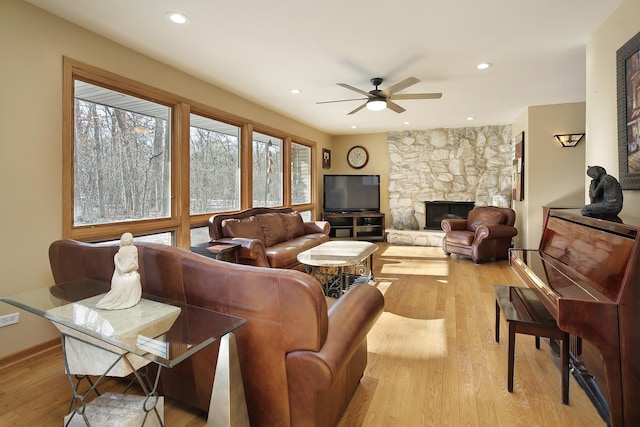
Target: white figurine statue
126 288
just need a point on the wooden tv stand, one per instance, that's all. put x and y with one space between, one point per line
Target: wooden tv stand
356 225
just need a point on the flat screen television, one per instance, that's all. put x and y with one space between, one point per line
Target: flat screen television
351 193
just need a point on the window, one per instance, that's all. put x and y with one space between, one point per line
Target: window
122 151
140 160
267 170
215 166
300 174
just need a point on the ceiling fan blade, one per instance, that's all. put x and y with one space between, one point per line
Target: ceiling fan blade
416 96
409 81
358 109
355 89
342 100
395 107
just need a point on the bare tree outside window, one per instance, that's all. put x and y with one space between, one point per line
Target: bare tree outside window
300 174
214 166
267 170
122 157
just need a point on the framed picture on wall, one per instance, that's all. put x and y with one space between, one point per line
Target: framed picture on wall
326 158
518 167
628 80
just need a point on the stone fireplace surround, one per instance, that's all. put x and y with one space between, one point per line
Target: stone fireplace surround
456 164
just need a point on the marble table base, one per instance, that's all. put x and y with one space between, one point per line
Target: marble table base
122 410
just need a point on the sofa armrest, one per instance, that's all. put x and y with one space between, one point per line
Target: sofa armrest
453 224
350 319
250 249
313 227
500 231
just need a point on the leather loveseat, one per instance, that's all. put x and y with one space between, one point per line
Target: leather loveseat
301 355
268 237
485 234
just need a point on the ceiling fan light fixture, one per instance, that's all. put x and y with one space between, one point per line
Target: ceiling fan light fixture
376 105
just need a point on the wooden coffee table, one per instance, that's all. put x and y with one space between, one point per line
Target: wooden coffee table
339 264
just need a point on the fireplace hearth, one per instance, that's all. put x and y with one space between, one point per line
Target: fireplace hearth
436 211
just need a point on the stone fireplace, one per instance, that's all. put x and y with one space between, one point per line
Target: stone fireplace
445 165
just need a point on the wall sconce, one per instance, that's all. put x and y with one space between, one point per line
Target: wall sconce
570 139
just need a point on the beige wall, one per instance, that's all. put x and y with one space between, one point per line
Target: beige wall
32 45
601 113
553 175
376 145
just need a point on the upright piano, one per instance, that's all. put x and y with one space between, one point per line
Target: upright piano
587 274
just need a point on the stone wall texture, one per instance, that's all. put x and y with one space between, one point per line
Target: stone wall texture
460 164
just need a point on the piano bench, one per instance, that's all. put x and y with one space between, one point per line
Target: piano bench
525 314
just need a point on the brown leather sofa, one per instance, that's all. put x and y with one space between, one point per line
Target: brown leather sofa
485 234
268 237
301 355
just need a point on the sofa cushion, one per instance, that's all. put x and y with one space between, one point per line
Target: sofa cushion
460 237
484 216
293 224
248 228
285 254
273 228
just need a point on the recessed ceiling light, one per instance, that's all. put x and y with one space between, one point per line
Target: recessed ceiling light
295 91
354 127
483 65
471 118
177 18
407 123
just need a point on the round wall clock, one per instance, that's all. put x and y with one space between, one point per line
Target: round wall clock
357 157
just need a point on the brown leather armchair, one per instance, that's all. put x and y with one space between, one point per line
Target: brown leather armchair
485 234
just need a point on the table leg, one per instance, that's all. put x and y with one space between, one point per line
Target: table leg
228 407
125 408
371 267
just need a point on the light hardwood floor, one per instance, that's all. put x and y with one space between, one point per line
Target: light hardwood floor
433 360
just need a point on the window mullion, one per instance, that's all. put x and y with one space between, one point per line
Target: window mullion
180 165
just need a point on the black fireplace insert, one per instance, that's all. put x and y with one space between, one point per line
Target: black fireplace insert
436 211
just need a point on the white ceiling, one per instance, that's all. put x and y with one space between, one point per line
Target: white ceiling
261 49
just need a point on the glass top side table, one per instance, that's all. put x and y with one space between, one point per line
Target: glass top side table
155 330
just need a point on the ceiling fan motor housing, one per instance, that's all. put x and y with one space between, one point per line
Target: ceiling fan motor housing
376 81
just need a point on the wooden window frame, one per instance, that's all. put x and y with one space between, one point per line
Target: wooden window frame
180 221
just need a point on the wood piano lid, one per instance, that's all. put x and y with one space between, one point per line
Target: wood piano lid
596 251
625 224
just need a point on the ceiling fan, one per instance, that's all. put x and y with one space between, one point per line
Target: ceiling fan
378 99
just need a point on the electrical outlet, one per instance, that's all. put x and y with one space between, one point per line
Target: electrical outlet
9 319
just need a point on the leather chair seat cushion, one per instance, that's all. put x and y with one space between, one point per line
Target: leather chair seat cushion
460 237
249 228
285 254
293 224
478 217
